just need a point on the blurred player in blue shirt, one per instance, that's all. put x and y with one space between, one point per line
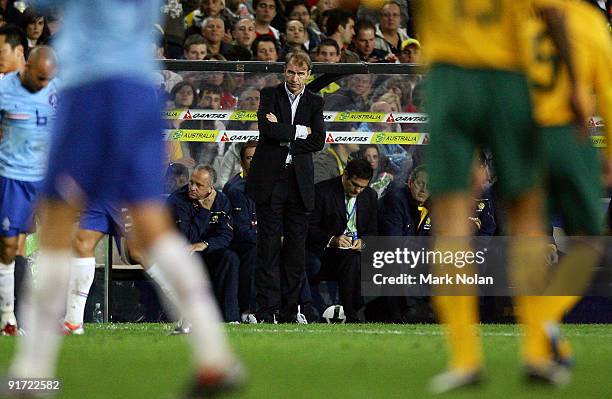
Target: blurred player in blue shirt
27 105
107 146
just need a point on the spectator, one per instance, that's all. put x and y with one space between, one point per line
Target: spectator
11 14
319 13
340 26
411 52
213 30
224 80
194 48
230 164
355 97
399 159
295 36
380 179
203 216
183 95
208 8
265 11
343 217
404 211
173 15
245 231
177 175
328 51
364 44
265 48
244 35
166 79
210 97
400 86
389 34
299 10
35 26
13 46
331 162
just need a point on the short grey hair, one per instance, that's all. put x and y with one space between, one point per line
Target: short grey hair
207 168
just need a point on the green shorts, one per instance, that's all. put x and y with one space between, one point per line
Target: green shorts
573 182
479 108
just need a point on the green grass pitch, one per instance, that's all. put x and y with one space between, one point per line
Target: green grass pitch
315 361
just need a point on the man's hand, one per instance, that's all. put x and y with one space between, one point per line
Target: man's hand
341 242
309 130
198 247
357 245
271 117
476 221
391 58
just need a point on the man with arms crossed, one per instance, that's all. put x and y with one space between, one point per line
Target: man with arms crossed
281 182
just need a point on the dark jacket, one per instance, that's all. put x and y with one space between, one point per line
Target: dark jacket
485 213
399 215
199 224
272 152
329 217
233 180
243 211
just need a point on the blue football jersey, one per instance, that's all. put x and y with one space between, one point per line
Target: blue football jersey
102 39
27 119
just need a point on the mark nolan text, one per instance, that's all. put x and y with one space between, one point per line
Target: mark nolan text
431 279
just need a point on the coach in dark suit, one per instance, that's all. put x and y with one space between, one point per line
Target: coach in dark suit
281 182
344 215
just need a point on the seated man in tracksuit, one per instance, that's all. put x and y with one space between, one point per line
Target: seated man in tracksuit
203 215
404 211
244 218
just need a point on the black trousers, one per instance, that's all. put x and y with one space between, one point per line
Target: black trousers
247 252
280 268
344 266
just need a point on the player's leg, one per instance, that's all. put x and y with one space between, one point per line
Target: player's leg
454 106
22 270
186 275
37 352
515 145
16 202
82 274
8 250
141 151
574 189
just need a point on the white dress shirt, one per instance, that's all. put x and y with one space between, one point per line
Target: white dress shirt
301 131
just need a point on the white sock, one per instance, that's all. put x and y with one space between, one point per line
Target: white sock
169 296
186 277
37 351
7 294
82 272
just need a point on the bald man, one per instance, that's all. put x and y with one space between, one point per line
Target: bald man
27 109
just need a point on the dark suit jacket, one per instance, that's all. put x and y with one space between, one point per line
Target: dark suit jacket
329 216
271 152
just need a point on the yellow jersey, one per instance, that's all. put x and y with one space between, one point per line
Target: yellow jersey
591 52
471 33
